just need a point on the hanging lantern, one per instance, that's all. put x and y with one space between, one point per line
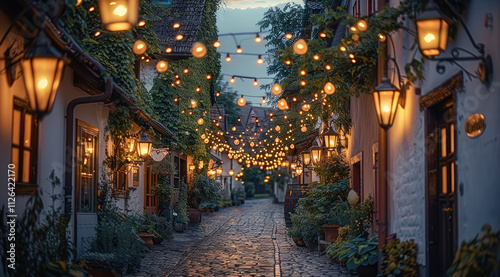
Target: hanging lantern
300 47
276 89
432 30
119 15
386 97
219 170
200 121
162 66
315 155
139 47
298 170
241 101
306 107
236 142
330 138
231 172
282 105
144 145
306 157
199 50
329 88
43 68
293 165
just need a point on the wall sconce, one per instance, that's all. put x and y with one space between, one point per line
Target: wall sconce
43 68
144 145
386 97
298 170
306 157
432 32
119 15
330 138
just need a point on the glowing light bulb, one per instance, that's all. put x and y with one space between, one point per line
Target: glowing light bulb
255 82
362 25
329 88
328 67
176 25
258 38
216 44
42 83
260 60
228 58
429 37
162 66
343 48
288 36
179 37
264 100
241 101
141 23
239 50
232 80
168 50
276 89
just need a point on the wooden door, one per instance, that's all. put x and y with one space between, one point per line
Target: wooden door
441 180
150 201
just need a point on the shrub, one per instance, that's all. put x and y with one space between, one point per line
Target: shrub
181 206
399 258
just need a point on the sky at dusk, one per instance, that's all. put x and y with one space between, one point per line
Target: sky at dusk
237 16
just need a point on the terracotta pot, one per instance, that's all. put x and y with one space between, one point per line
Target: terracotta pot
331 232
194 215
147 238
368 271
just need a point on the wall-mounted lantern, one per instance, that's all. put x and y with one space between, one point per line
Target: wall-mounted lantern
316 154
144 146
306 157
119 15
432 30
386 97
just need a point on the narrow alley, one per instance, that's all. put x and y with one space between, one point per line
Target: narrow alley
248 240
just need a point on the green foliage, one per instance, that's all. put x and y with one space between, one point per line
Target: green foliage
249 189
361 218
181 206
40 237
332 169
399 258
237 195
116 245
337 253
476 257
361 252
203 189
224 202
162 226
148 228
303 227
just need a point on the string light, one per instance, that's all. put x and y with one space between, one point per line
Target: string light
241 101
328 67
381 37
162 66
362 25
91 9
353 29
198 89
342 48
228 58
303 83
179 37
232 80
209 76
329 88
260 60
186 71
288 36
264 100
322 35
199 50
216 44
316 57
255 82
96 34
258 39
217 94
200 121
239 50
288 62
276 89
300 47
168 50
139 47
282 105
176 25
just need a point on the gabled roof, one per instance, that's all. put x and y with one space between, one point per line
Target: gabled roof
188 13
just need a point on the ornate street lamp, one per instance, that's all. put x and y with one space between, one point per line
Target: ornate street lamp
119 15
432 30
386 97
330 138
298 170
306 157
293 165
43 68
144 146
316 154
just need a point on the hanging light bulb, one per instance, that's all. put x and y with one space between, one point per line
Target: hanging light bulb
176 25
232 80
260 60
276 89
277 128
200 121
303 83
303 72
362 25
300 47
342 48
199 50
241 101
179 37
239 119
328 67
186 71
264 100
162 66
239 50
233 128
303 129
216 44
329 88
381 37
322 35
288 36
258 38
198 89
255 82
217 94
288 62
228 58
209 76
316 57
139 47
282 105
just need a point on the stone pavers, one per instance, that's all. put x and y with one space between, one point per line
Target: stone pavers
249 240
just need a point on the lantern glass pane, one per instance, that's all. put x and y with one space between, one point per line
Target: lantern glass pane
430 36
118 15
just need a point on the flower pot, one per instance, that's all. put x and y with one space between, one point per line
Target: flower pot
194 215
157 240
179 227
147 238
331 232
368 270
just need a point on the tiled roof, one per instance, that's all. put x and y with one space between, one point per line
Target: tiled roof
188 13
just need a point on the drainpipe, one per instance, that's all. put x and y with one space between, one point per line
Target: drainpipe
382 222
69 200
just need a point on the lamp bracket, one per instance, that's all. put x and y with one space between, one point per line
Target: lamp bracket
484 70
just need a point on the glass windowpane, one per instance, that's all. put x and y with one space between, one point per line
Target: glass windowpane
443 142
27 129
444 180
452 138
26 166
452 169
16 127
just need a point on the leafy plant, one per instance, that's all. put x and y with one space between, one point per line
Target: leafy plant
148 228
164 191
361 218
399 258
202 190
332 169
162 226
181 206
337 253
303 227
476 257
361 252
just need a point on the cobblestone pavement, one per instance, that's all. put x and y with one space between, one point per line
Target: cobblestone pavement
248 240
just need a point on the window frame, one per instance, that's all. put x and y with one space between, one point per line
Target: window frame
94 131
31 186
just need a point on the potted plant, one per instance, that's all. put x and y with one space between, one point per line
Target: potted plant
338 217
362 256
202 190
399 258
180 209
147 232
164 191
162 226
476 257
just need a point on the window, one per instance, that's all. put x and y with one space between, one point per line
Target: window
24 143
86 168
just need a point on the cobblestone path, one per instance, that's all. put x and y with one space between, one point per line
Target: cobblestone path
248 240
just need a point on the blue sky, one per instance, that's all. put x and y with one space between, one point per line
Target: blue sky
238 16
